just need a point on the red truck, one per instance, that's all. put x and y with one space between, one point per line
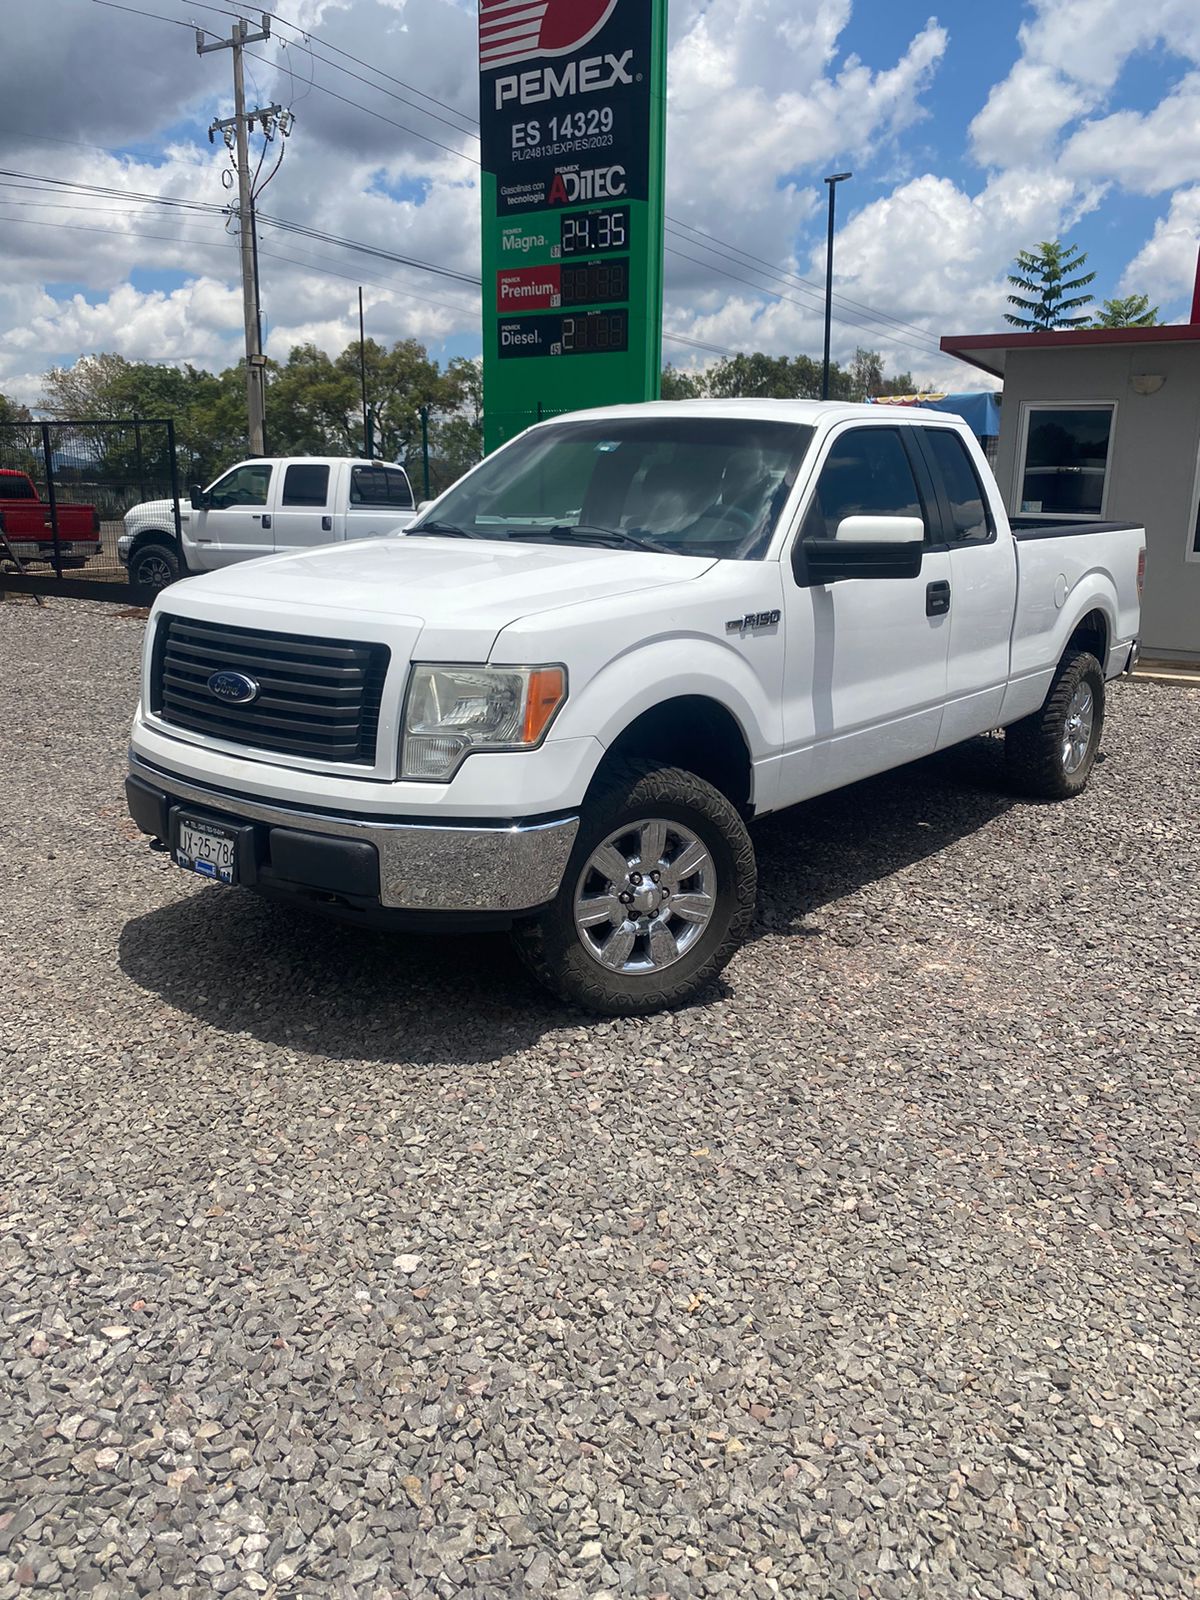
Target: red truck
27 525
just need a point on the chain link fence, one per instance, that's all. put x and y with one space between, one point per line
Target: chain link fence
66 490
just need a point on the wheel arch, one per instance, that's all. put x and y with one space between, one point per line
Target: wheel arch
696 732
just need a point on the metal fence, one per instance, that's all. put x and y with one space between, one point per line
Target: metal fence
86 478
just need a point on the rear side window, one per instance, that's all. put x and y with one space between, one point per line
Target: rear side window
305 484
17 487
380 486
970 519
866 473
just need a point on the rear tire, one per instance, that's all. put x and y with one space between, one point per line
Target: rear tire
153 568
1050 754
625 942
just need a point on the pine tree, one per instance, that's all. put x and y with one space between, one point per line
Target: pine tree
1045 278
1135 311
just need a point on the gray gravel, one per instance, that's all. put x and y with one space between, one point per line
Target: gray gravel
342 1265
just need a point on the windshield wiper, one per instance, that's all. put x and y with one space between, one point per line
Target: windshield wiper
445 529
592 533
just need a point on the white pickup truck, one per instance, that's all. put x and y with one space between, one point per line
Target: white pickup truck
556 705
262 508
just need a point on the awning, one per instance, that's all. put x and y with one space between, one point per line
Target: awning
980 409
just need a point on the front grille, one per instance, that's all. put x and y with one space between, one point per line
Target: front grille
317 697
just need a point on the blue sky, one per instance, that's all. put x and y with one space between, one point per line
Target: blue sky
972 131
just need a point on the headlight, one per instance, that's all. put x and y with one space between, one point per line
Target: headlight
451 711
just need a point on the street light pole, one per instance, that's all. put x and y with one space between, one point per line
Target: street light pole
832 181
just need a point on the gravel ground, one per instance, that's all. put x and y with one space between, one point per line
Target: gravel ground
348 1265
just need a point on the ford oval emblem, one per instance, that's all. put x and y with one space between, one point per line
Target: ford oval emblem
235 688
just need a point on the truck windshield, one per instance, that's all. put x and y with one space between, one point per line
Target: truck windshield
705 486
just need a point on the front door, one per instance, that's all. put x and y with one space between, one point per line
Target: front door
983 579
866 658
235 523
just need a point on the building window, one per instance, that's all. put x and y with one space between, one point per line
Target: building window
1064 459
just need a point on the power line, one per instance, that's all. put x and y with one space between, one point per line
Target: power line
873 314
308 36
283 223
774 294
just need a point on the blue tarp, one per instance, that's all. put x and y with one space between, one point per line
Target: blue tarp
979 409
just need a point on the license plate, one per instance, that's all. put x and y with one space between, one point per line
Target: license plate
207 848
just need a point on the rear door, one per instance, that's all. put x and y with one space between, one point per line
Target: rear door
865 676
983 587
304 505
235 524
380 501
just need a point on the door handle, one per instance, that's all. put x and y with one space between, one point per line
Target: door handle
326 524
266 521
937 598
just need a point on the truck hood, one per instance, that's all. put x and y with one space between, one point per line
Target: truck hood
461 592
151 513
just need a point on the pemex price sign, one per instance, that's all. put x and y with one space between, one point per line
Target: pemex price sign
572 107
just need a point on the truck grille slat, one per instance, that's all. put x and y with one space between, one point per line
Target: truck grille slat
318 697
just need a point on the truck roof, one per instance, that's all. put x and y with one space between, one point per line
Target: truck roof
799 411
319 461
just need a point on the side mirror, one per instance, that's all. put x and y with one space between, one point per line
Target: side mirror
197 496
423 505
880 530
866 547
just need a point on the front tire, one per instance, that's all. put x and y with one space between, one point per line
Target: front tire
658 894
1050 754
153 568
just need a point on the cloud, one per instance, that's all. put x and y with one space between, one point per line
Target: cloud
1146 152
1072 54
1165 267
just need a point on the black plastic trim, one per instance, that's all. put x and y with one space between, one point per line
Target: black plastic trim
1026 528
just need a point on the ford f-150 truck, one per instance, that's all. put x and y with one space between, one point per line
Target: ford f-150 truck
558 702
28 524
261 508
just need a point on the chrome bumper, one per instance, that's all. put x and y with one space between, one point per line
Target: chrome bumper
494 866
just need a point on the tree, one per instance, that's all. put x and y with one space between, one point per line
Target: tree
456 432
12 410
1135 311
1049 287
677 385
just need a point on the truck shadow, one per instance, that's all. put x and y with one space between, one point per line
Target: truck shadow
243 965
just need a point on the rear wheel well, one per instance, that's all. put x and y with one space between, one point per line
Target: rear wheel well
1091 634
697 734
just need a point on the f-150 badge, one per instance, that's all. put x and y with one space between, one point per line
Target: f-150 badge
752 620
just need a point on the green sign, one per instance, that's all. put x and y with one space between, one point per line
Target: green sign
572 109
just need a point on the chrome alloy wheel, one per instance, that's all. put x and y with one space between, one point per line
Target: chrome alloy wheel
1077 731
645 896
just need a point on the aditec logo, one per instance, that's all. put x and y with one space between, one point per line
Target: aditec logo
519 30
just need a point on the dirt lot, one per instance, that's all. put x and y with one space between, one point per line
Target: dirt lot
336 1264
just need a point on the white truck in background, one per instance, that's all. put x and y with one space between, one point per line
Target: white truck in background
264 507
555 705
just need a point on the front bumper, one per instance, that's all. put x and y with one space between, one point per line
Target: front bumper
482 868
124 544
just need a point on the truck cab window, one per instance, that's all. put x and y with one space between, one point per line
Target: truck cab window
380 486
244 486
866 473
306 484
971 520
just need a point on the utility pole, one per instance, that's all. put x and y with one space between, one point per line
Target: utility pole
255 360
832 181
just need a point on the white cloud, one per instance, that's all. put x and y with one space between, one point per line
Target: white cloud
1147 152
1072 53
1165 267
